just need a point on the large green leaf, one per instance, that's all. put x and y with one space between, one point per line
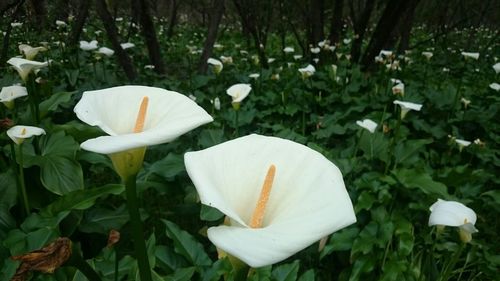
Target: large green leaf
8 188
186 245
168 167
54 101
82 199
61 175
407 150
102 220
58 144
411 178
286 272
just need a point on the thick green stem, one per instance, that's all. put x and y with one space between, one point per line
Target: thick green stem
77 261
137 229
449 267
236 123
240 269
20 174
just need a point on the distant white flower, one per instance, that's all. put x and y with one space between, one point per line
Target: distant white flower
217 64
347 41
456 214
106 51
379 59
226 60
427 55
288 50
254 75
61 23
30 52
149 66
395 81
368 124
445 69
243 52
19 133
470 55
217 103
316 60
315 50
10 93
238 92
16 24
270 60
399 89
127 45
496 67
407 106
192 97
25 67
297 57
275 76
307 71
88 46
462 143
465 102
495 86
119 19
218 46
385 53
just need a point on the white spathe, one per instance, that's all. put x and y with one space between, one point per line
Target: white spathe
217 64
24 67
456 214
288 50
106 51
470 55
307 71
88 46
11 93
368 124
115 111
308 199
407 106
30 52
239 92
496 67
19 133
127 45
495 86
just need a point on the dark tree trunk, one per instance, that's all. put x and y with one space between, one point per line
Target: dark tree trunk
123 58
40 11
62 10
149 34
6 38
316 18
172 21
336 23
81 18
215 17
406 27
360 25
385 29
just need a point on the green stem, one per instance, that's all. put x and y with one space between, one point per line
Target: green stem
236 123
80 264
22 185
240 269
137 229
449 267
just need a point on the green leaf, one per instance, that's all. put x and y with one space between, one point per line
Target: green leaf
82 199
411 178
308 276
181 274
408 148
186 245
8 189
340 241
58 144
102 220
168 259
210 137
168 167
365 201
286 272
54 101
208 213
361 265
61 175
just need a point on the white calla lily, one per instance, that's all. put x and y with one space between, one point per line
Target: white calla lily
217 64
368 124
10 93
456 214
307 71
495 86
470 55
239 92
288 50
19 133
88 46
407 106
427 55
24 67
496 67
106 51
127 45
399 89
303 196
30 52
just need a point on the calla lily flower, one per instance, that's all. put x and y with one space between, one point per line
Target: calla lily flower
427 55
385 53
30 52
226 60
24 67
288 50
273 215
10 93
470 55
399 89
106 51
451 213
238 92
19 133
495 86
315 50
135 117
462 143
217 64
127 45
61 23
368 124
407 106
16 24
496 67
254 76
307 71
88 46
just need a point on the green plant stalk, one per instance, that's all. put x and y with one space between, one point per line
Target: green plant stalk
449 267
393 143
137 229
104 70
236 123
22 184
33 99
455 101
77 261
240 269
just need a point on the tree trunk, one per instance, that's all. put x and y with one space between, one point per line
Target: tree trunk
40 11
406 27
213 25
316 18
81 18
336 23
6 37
149 34
123 58
360 25
172 21
384 30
